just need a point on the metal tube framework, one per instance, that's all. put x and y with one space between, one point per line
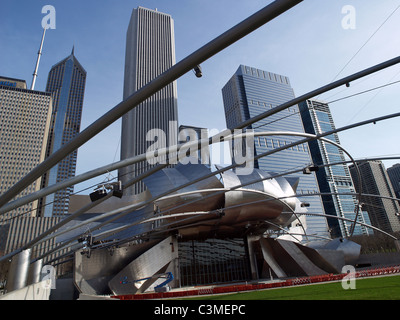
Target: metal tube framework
234 34
247 26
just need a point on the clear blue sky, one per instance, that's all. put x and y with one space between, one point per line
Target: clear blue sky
308 44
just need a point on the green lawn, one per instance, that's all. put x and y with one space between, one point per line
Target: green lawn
382 288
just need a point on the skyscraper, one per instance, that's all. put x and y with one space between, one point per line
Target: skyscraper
24 126
384 213
335 180
252 91
394 176
190 133
150 50
66 83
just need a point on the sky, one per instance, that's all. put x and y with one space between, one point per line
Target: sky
313 44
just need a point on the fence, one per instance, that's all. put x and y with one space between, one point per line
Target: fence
259 286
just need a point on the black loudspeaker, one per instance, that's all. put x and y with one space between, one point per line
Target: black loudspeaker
98 194
117 190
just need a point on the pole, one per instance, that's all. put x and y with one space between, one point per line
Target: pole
37 61
110 167
42 237
118 213
218 44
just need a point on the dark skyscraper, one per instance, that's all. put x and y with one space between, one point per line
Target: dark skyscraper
375 181
251 92
66 83
150 50
394 176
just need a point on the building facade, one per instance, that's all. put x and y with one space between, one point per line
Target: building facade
24 126
394 176
251 92
213 261
383 212
202 153
150 50
335 181
66 83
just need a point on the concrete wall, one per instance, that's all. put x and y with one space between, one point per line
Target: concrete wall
37 291
380 259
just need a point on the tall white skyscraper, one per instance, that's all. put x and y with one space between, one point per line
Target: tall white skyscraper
150 50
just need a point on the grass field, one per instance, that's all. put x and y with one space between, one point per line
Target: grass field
380 288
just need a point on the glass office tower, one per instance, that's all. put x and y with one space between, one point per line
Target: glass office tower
150 50
66 83
334 180
252 91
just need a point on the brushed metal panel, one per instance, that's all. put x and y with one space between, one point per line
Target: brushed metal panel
18 271
195 171
130 218
146 265
91 275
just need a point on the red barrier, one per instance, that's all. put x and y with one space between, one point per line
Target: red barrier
260 286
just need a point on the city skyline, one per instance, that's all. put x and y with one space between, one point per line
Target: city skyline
98 34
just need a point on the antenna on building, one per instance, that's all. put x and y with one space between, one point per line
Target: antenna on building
37 61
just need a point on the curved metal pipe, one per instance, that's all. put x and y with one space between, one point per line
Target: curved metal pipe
34 196
223 41
42 237
133 207
347 219
282 133
164 151
161 217
107 233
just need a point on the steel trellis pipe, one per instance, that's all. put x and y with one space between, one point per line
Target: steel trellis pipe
234 34
123 211
63 245
42 237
